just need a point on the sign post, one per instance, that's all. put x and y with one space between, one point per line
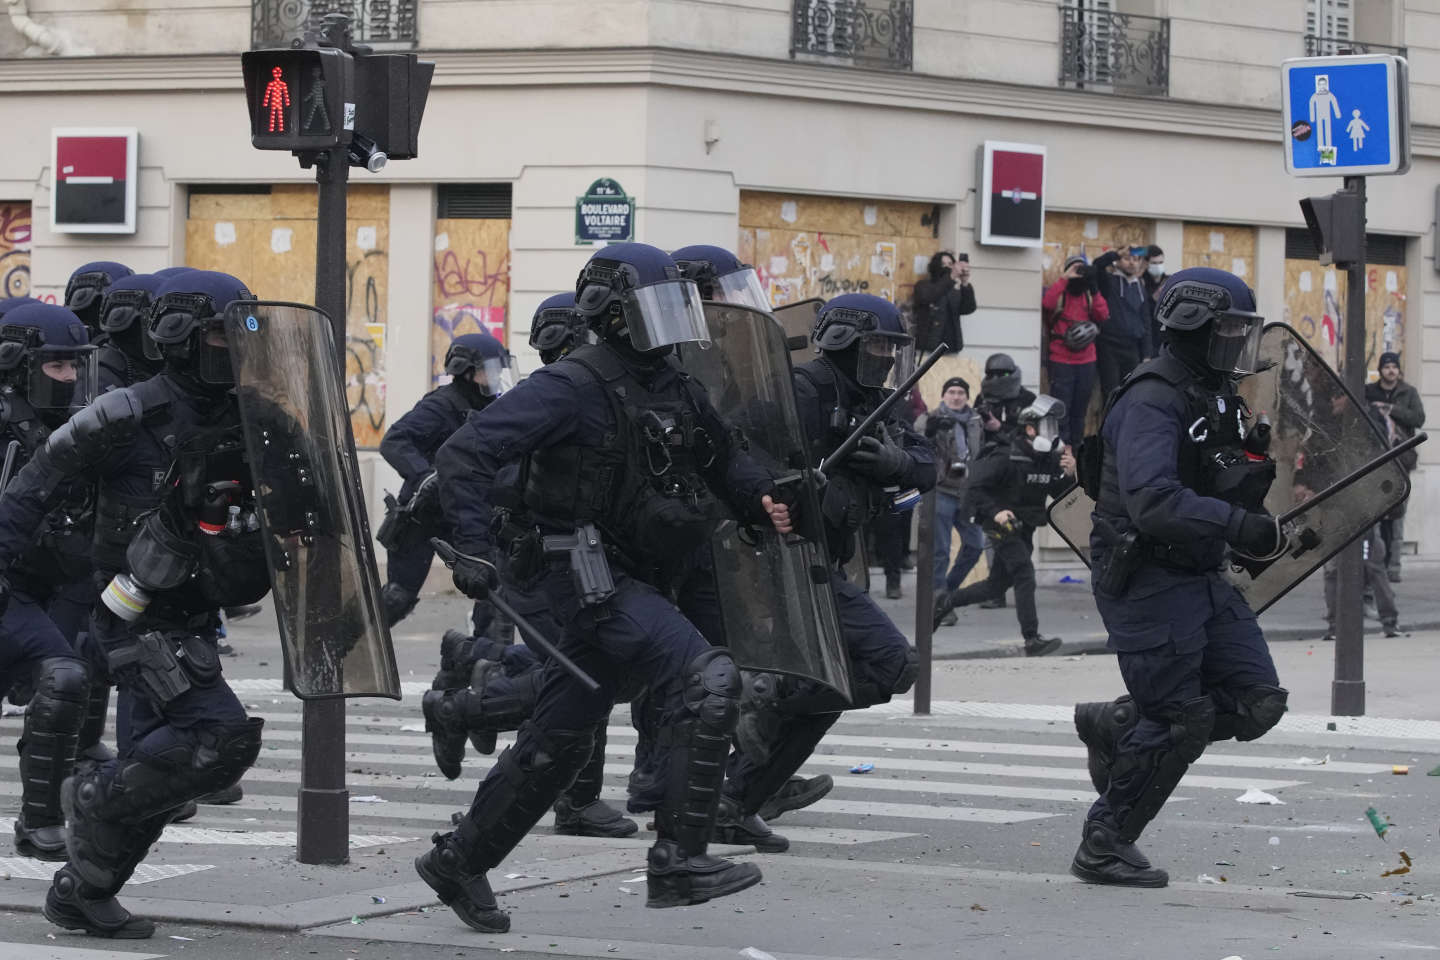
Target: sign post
1350 117
334 105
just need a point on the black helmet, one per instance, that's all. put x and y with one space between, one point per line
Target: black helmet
884 352
187 323
494 371
1002 377
45 355
721 276
635 291
1200 296
557 327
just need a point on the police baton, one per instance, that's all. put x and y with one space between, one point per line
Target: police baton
843 451
6 472
450 556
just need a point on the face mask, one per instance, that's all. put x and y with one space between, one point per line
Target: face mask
1040 444
1156 270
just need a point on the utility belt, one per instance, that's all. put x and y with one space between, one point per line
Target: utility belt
1128 552
529 552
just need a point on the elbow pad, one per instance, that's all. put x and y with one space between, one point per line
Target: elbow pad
93 431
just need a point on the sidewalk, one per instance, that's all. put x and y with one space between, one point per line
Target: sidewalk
1067 610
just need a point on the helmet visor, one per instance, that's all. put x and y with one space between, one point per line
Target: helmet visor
1235 342
62 378
743 289
495 375
665 313
552 329
881 359
212 354
122 309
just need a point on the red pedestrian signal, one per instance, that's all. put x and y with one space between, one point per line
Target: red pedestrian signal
277 98
300 98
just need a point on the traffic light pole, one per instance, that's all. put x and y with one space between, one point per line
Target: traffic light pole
323 828
1347 692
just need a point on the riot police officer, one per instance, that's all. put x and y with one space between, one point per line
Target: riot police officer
168 461
484 686
46 368
860 338
1011 482
85 290
623 462
1190 650
480 369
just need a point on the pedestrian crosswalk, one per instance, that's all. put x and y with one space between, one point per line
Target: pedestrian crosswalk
922 777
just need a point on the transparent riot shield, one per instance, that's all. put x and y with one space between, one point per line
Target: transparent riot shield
302 456
798 321
777 607
1326 446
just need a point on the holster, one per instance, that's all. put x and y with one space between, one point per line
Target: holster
589 567
1121 563
149 662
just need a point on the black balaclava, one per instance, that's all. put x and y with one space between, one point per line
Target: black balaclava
1192 347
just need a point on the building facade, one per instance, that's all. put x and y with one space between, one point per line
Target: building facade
832 142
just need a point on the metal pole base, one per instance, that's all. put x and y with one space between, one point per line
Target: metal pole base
1347 698
323 815
324 829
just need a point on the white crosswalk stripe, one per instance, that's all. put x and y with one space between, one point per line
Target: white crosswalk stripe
960 776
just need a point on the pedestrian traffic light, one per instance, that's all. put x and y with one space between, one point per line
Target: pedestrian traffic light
390 94
1337 225
300 99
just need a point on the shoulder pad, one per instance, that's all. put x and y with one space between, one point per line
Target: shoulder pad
595 359
113 418
817 373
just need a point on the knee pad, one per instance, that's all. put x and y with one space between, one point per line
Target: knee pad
1258 709
909 670
63 678
539 752
712 689
1190 726
397 601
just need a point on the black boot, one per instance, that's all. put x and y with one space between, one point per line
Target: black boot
72 904
731 826
797 793
1100 726
520 787
47 755
460 888
1039 645
892 586
580 812
1103 857
231 794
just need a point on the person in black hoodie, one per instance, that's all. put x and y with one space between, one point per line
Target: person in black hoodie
1125 338
940 301
1009 486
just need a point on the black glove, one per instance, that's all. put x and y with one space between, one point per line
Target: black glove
473 579
883 461
427 493
1258 534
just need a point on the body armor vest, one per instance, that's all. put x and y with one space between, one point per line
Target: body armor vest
61 553
642 485
1214 430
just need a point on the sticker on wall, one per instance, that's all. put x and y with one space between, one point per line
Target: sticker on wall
280 239
872 215
365 238
1306 284
224 233
1237 266
442 242
1392 282
1217 241
789 212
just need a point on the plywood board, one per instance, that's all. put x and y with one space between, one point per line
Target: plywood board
1068 234
14 250
1223 246
271 247
471 284
859 217
1315 306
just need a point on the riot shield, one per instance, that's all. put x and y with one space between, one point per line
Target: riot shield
1327 448
302 456
798 321
777 608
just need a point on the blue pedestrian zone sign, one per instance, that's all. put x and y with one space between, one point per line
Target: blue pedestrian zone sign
1346 116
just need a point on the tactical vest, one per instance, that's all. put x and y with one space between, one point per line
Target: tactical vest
642 485
849 502
1214 430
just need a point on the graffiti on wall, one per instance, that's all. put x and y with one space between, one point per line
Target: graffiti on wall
1315 306
14 250
268 241
472 284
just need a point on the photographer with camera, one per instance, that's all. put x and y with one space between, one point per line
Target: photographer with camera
941 300
1073 315
954 428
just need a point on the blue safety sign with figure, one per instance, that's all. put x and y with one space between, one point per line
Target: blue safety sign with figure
1346 116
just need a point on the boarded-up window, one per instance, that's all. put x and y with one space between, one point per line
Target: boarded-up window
14 250
268 241
1315 298
1222 246
471 266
